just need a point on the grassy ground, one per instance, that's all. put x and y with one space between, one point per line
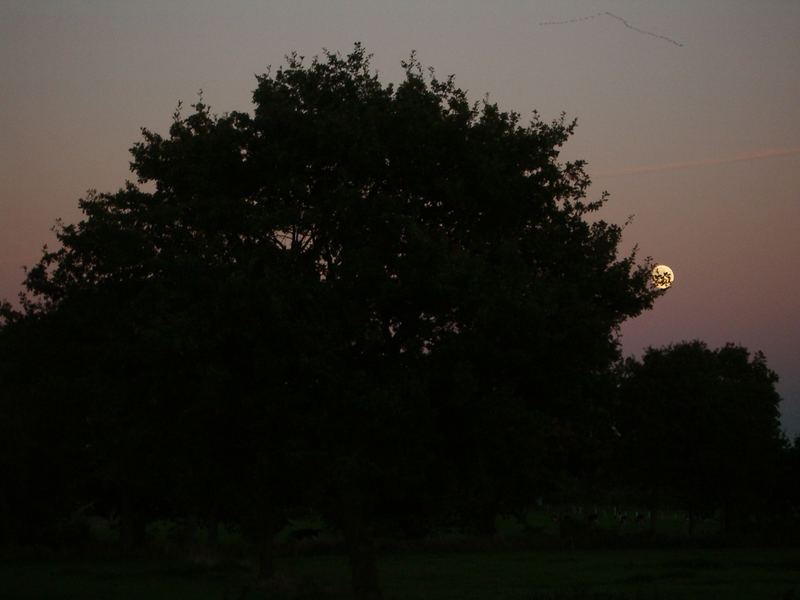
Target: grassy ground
708 574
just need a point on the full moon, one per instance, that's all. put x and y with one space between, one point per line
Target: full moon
662 276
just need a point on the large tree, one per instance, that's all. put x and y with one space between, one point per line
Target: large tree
382 300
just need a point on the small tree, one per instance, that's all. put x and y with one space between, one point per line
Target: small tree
376 293
702 426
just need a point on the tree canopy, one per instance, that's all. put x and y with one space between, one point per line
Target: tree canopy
702 426
365 298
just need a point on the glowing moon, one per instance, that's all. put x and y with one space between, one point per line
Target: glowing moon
662 276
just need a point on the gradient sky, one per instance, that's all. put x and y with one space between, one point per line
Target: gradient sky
700 142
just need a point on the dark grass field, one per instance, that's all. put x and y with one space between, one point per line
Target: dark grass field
741 573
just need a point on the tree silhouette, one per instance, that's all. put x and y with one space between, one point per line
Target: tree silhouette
375 301
702 426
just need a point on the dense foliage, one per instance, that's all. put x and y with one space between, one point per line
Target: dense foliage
701 427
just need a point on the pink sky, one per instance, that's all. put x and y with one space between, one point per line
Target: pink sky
700 142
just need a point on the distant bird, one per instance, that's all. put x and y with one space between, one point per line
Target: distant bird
618 18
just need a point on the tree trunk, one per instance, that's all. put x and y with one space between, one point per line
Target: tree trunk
131 526
363 565
269 525
653 516
266 560
731 521
212 538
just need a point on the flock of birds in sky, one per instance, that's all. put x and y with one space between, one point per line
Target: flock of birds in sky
618 18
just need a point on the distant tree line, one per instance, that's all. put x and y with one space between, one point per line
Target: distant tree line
383 304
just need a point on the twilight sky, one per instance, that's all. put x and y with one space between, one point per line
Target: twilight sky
699 141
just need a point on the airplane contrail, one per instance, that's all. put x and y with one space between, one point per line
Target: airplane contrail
618 18
642 31
696 164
